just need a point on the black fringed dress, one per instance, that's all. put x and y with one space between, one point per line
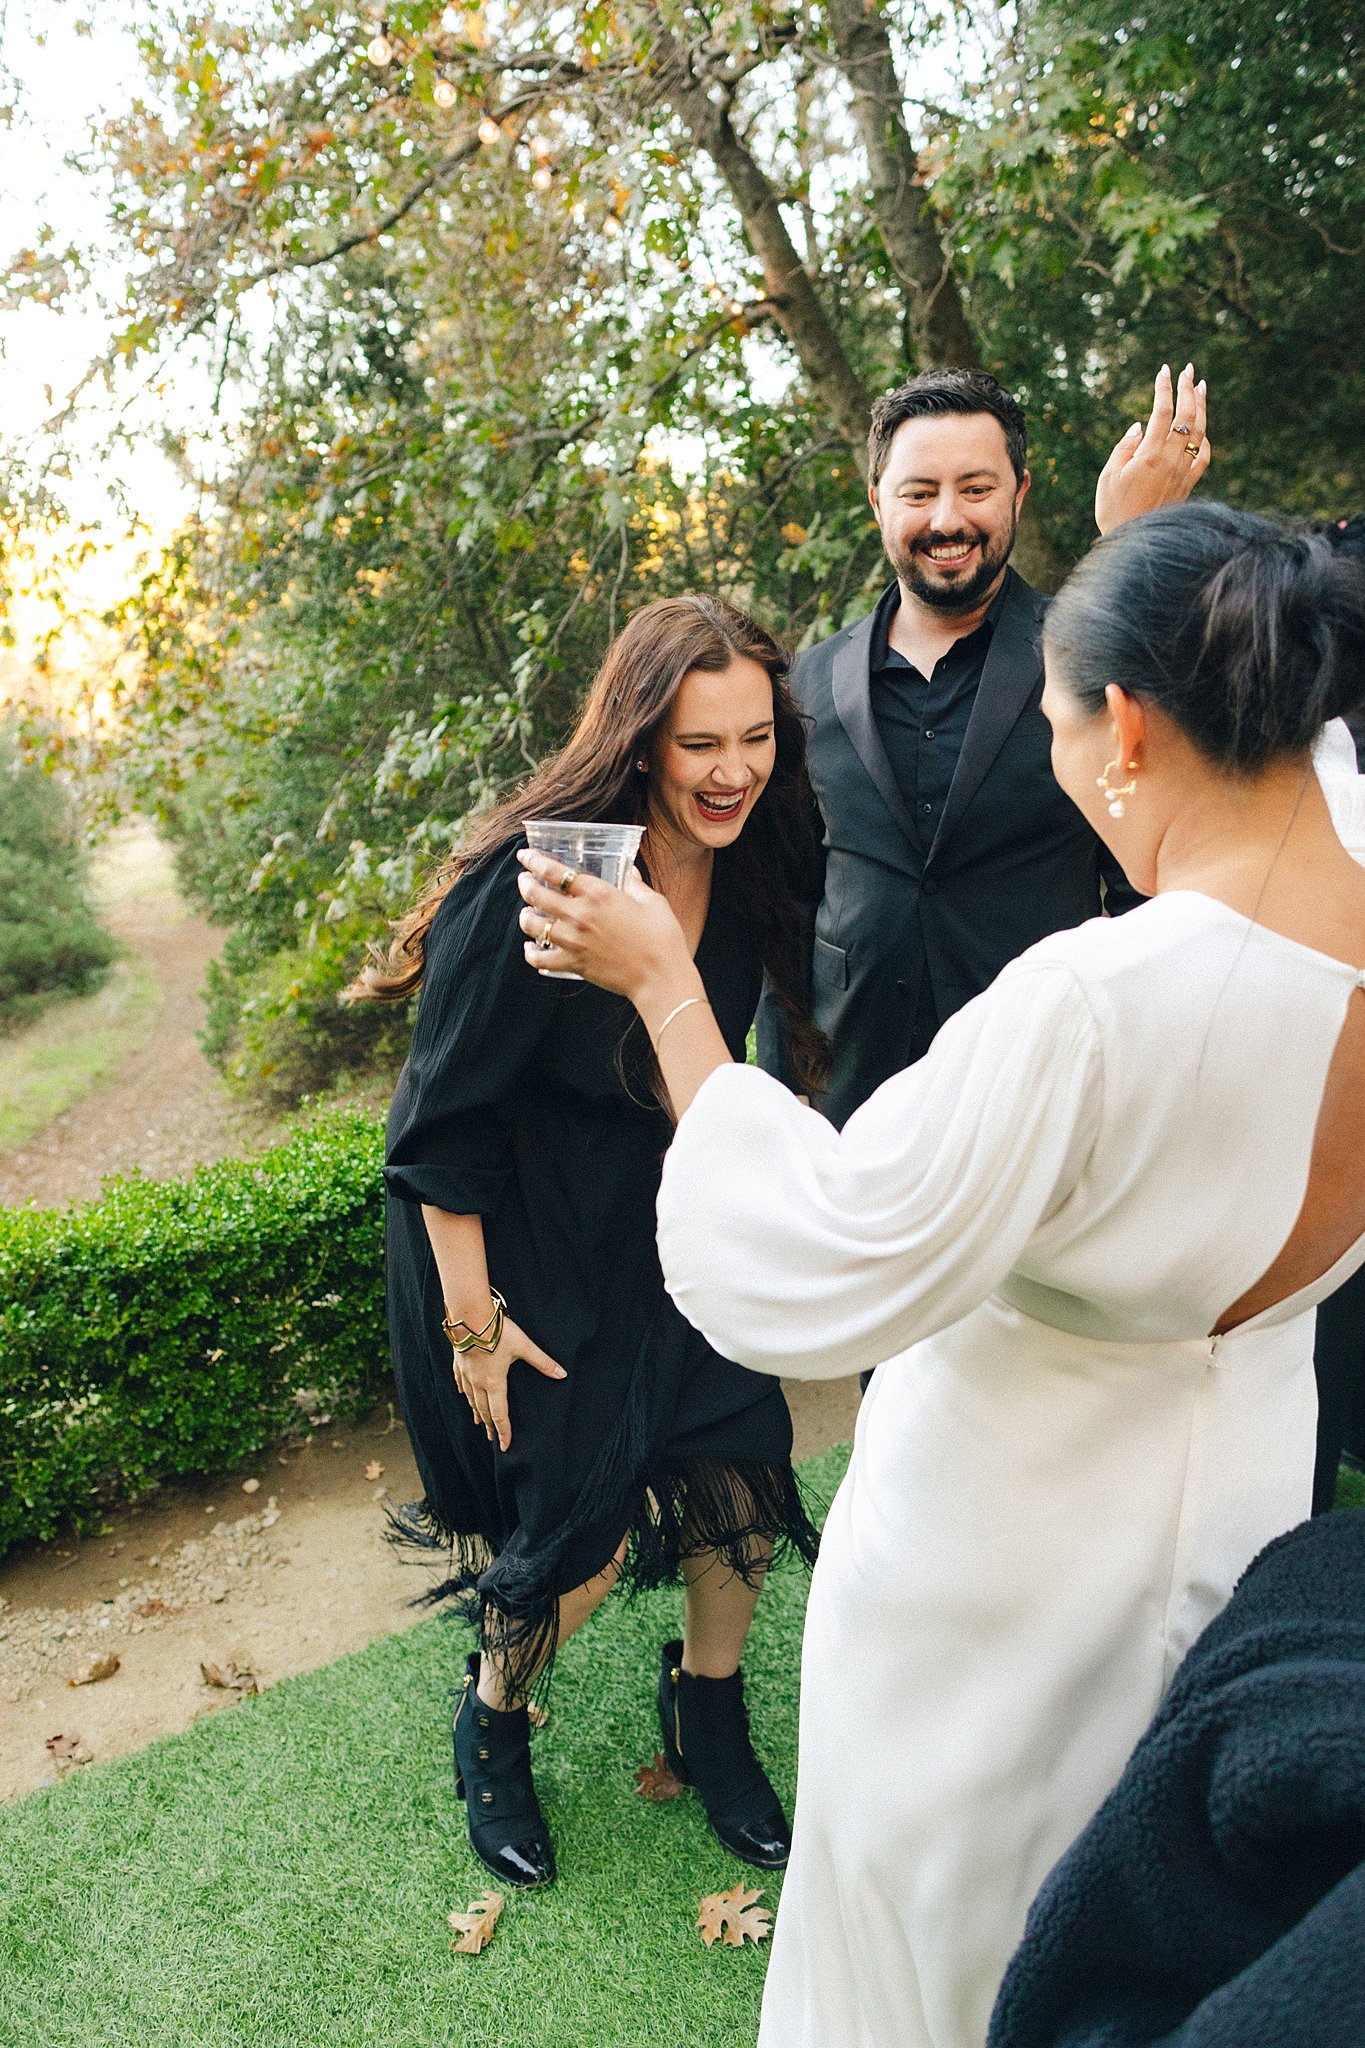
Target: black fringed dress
528 1102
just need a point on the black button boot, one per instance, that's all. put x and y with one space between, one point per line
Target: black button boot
507 1830
706 1741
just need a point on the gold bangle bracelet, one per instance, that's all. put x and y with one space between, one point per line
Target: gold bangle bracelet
689 1004
486 1339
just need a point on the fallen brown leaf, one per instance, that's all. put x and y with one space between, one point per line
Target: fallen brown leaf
374 1470
68 1751
231 1677
148 1610
733 1918
475 1926
94 1669
656 1781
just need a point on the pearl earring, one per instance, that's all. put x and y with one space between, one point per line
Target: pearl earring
1115 796
643 767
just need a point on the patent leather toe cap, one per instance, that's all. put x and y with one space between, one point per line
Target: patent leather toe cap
765 1842
521 1864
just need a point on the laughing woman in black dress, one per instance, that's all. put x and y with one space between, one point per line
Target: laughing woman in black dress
582 1432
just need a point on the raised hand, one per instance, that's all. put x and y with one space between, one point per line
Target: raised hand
1162 465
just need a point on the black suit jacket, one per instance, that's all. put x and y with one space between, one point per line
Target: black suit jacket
1012 858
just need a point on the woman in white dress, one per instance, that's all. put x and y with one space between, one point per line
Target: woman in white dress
1082 1240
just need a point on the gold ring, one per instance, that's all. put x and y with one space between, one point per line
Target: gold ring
545 942
567 880
1192 448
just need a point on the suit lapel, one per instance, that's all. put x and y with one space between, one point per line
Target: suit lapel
852 691
1008 680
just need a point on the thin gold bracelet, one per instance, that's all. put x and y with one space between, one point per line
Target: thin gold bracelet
676 1011
486 1339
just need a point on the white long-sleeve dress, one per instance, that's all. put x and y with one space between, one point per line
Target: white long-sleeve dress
1058 1474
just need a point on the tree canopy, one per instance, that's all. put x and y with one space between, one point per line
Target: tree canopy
522 314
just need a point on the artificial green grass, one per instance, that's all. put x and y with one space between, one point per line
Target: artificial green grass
279 1876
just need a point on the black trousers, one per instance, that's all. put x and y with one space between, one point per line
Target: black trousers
1339 1362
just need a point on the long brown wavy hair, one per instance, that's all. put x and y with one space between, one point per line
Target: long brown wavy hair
596 776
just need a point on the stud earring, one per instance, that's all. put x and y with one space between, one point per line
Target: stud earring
1114 797
643 767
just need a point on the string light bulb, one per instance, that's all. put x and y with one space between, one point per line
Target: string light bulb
489 131
543 178
611 227
444 94
452 21
539 147
380 51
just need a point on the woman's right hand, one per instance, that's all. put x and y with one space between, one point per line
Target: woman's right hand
481 1377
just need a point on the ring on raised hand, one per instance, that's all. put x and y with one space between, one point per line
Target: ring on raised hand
545 942
566 881
1182 430
1192 448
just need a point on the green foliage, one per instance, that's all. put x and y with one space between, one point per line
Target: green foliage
504 365
50 943
280 1032
169 1327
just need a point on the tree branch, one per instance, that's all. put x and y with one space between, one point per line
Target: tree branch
795 303
938 321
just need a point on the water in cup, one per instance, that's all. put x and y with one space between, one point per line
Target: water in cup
604 850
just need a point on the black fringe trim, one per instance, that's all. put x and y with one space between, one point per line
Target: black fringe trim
746 1514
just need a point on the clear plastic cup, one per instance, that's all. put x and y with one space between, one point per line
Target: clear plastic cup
607 851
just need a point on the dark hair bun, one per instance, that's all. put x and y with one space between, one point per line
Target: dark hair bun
1249 634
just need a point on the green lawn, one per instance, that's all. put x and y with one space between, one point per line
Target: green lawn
50 1063
279 1875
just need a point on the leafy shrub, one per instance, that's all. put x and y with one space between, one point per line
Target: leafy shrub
279 1031
50 943
169 1327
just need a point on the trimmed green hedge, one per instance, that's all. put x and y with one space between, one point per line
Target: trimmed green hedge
169 1327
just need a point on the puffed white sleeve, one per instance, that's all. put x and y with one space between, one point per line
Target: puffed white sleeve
1334 757
816 1253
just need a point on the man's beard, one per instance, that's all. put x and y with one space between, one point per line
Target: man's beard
958 598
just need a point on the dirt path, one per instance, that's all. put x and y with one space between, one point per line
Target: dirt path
165 1109
277 1567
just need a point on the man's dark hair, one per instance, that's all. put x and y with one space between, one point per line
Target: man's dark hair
935 393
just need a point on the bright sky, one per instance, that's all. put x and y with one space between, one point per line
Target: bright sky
63 80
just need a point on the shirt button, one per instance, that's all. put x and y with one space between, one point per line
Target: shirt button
926 808
928 735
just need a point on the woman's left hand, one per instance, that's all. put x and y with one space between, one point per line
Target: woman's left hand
626 940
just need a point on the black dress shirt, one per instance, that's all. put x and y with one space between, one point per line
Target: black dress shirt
922 722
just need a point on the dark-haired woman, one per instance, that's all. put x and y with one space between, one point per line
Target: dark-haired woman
570 1428
1082 1241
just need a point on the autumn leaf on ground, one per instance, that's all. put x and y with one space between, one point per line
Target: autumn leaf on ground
374 1470
94 1669
68 1751
231 1677
149 1610
733 1918
656 1781
475 1927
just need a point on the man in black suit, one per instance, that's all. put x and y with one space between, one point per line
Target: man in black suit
950 848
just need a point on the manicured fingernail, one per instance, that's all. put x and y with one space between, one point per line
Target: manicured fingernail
1188 370
1164 371
1203 387
1134 429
